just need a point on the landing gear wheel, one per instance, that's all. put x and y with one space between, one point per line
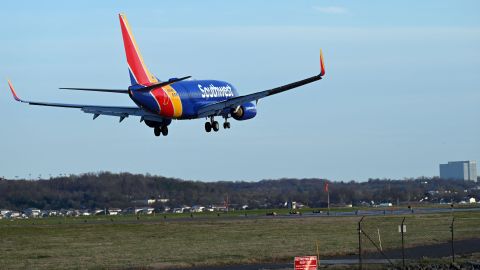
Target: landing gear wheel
157 131
225 125
228 125
208 127
215 126
164 130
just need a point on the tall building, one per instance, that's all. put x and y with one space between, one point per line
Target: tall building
459 170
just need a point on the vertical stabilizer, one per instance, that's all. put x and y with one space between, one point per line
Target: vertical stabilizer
139 73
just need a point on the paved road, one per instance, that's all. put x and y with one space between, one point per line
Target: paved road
359 213
387 211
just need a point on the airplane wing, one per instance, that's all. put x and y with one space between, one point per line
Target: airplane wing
122 112
217 108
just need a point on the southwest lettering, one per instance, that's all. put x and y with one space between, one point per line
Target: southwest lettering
215 91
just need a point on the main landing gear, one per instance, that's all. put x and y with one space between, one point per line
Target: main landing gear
213 125
160 130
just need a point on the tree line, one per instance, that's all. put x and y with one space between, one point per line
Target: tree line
107 190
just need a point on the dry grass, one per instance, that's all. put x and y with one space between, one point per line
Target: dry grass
75 244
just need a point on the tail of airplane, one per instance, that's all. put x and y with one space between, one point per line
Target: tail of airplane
139 73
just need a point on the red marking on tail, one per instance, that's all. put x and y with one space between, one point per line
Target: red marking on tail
134 59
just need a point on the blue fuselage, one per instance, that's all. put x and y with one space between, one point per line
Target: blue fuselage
183 99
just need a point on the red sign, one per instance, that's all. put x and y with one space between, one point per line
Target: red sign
306 263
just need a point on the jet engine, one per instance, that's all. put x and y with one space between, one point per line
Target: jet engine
244 112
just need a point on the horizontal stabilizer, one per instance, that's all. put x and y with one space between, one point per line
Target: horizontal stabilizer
162 84
119 91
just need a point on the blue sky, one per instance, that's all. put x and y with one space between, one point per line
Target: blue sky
400 96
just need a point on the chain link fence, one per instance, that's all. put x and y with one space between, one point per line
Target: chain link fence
398 239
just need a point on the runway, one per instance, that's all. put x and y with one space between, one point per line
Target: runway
359 213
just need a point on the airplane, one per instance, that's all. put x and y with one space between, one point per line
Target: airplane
159 102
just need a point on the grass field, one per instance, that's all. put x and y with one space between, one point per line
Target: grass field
153 241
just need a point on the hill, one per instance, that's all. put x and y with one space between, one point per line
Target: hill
100 190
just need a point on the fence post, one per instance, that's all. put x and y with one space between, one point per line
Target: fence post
375 245
379 239
452 230
403 244
360 266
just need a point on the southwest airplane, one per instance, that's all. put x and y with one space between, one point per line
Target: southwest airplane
159 102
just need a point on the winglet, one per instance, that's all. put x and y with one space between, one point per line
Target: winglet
13 91
322 66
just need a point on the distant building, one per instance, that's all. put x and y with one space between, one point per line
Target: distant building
459 170
14 214
144 202
293 205
145 210
138 210
197 209
98 212
85 212
52 213
32 212
219 208
385 204
178 210
114 211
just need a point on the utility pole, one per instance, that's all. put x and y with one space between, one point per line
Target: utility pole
403 243
226 203
328 197
266 206
328 201
453 249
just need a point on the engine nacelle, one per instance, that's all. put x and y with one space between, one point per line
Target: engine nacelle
244 112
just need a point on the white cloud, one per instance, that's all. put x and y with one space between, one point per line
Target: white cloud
331 10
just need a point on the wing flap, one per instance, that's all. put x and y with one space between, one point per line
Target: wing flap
114 111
